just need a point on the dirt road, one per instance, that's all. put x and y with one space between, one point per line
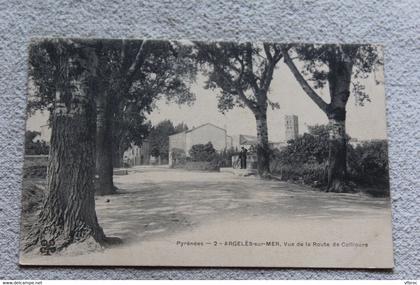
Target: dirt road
158 208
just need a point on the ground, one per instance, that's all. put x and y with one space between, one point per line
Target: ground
156 207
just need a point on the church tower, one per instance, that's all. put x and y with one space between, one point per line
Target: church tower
292 127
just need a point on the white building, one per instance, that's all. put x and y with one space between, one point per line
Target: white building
201 135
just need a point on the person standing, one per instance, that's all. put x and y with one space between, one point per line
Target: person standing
242 156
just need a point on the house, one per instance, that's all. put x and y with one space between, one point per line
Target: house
200 135
138 155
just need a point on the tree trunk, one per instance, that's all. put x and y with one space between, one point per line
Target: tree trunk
339 80
68 215
104 147
337 156
118 155
263 148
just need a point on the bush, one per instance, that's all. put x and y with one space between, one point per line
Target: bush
313 174
202 152
368 163
306 159
37 147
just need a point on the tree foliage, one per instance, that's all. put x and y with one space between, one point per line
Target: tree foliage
311 147
35 147
368 163
159 137
342 67
320 64
132 74
242 71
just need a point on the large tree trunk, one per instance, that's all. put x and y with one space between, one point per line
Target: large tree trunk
104 147
339 84
337 156
118 156
68 215
263 148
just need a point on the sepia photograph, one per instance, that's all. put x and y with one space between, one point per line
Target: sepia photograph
205 154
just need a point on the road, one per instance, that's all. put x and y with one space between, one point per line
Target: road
157 207
159 200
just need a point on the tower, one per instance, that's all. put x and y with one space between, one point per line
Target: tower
292 127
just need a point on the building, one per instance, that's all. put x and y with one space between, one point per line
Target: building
247 141
45 133
292 127
200 135
136 155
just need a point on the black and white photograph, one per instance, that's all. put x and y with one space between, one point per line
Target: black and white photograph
205 154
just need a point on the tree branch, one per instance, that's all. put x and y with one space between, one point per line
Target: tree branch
250 75
137 61
267 51
269 67
303 83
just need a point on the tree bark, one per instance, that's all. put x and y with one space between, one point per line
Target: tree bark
118 155
263 148
68 215
104 147
337 155
339 80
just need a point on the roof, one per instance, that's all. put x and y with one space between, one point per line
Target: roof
193 129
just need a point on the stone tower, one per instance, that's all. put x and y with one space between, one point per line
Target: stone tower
292 127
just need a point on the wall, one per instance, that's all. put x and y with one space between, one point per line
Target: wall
395 24
205 134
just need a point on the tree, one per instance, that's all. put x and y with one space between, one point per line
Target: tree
243 72
159 137
341 66
141 72
68 215
131 75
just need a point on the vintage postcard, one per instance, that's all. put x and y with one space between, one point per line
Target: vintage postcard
221 154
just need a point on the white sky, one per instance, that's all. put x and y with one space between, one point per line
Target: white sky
363 122
367 122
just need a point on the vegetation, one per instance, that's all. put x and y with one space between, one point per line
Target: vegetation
99 93
159 138
35 147
305 160
340 67
127 79
202 152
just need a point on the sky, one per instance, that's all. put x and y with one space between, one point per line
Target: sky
363 122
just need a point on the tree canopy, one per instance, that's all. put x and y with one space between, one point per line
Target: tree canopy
243 72
159 137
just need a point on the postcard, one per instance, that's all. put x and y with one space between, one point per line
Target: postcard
209 154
